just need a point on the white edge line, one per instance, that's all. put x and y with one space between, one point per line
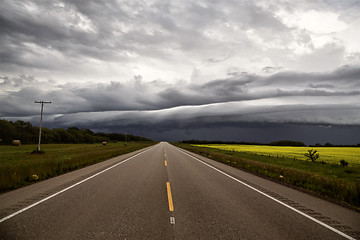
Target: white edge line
272 198
72 186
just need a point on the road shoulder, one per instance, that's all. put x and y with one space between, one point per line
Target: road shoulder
17 199
332 214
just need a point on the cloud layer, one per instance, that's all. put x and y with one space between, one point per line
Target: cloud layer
167 65
315 98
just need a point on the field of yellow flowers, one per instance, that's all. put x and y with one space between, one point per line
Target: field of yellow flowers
327 154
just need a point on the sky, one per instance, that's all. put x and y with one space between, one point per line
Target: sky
232 70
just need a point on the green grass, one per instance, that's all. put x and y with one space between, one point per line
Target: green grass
18 166
329 180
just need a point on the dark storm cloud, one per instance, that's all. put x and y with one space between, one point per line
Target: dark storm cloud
137 95
62 29
238 87
168 65
28 29
227 121
192 118
104 30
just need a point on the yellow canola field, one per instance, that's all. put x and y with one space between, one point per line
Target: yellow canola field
327 154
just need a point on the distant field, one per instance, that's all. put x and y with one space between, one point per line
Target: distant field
327 154
288 165
18 167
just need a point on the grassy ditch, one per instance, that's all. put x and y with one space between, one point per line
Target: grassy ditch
330 180
20 166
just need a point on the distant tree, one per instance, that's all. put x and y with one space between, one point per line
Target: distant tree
65 136
27 133
312 155
7 131
288 143
88 131
193 141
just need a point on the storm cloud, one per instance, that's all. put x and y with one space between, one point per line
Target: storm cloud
176 68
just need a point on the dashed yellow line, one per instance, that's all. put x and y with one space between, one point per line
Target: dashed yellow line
171 205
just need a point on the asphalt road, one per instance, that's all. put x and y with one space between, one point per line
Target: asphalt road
166 193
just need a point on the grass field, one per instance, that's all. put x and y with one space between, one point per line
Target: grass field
327 154
18 167
325 177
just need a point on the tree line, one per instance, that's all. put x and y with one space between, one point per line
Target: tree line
276 143
194 141
28 134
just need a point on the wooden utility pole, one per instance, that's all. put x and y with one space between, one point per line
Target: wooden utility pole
42 110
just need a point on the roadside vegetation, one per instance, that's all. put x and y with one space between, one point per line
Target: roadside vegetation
25 133
19 167
331 155
332 172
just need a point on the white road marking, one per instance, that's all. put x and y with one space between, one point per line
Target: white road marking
172 220
72 186
266 195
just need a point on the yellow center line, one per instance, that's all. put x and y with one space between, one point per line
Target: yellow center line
171 206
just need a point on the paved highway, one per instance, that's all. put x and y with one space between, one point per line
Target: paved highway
164 192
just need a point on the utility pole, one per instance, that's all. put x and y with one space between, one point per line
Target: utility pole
42 110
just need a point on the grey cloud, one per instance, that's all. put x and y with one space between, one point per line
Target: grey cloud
129 26
213 130
49 28
138 95
315 92
225 115
349 10
89 39
18 81
328 57
228 84
216 91
269 69
264 19
19 103
345 73
324 85
239 87
339 76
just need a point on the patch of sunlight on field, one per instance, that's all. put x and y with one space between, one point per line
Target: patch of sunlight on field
327 154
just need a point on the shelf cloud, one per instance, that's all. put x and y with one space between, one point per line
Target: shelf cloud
177 69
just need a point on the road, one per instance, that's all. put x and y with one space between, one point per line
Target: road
164 192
